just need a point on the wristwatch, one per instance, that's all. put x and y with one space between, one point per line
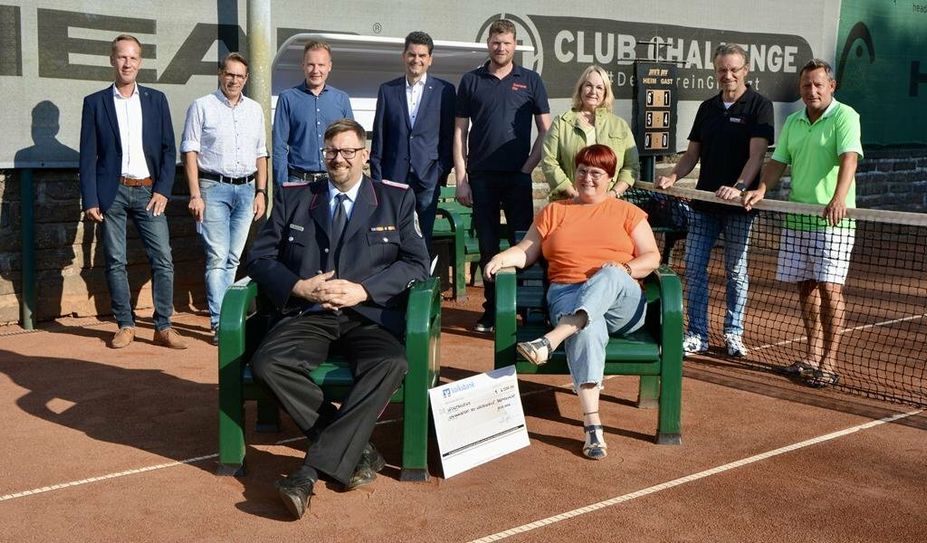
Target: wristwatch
261 191
741 186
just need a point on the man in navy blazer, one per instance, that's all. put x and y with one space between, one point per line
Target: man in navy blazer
413 130
127 164
347 295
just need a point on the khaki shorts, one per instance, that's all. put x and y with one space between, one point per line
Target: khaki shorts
819 255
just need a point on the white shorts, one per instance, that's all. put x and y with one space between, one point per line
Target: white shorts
819 255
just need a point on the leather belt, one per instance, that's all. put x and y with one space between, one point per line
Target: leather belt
132 182
225 179
307 176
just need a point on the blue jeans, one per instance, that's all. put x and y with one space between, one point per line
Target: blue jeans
226 221
704 229
494 192
614 304
131 202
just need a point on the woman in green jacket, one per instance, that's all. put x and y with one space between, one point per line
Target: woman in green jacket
590 120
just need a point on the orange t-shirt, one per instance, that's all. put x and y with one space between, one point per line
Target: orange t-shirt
577 239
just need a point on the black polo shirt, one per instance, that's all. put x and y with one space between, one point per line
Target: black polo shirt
501 112
724 137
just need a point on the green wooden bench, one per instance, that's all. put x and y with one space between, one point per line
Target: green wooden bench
244 320
455 221
654 352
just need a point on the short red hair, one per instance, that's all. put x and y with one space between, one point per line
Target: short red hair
598 156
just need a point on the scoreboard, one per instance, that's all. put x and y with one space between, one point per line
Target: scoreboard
655 108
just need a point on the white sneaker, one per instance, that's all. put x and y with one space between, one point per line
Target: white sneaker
735 345
694 344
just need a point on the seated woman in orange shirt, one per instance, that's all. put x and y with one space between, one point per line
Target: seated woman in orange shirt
596 248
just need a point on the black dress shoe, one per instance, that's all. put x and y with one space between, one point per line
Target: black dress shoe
371 462
295 495
486 323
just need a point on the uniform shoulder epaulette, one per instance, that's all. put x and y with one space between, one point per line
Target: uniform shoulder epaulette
395 184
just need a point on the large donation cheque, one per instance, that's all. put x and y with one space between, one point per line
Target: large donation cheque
478 419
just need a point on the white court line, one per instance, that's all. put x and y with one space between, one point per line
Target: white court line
688 479
194 460
108 476
844 331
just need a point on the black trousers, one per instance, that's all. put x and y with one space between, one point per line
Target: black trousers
494 192
296 346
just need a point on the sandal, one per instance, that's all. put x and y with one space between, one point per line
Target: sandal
531 350
595 446
821 378
798 368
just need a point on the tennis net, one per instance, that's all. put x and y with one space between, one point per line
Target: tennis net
880 332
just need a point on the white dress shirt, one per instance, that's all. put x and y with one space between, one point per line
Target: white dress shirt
348 202
129 119
414 97
228 139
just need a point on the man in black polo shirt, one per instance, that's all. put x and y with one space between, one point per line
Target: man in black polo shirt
493 162
730 136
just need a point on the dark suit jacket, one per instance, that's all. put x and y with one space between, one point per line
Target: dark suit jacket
381 248
425 148
101 146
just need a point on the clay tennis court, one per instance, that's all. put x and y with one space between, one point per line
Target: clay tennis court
879 355
104 445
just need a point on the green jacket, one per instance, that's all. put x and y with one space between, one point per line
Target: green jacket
566 137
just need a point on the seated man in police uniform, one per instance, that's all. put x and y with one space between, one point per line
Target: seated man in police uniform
336 257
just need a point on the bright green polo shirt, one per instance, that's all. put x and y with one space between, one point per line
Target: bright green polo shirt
814 152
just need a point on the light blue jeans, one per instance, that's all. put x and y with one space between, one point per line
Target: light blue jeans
131 202
704 230
614 304
226 221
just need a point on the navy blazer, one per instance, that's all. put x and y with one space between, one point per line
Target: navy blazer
101 146
427 148
381 248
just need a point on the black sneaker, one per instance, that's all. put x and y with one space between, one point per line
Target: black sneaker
485 324
215 336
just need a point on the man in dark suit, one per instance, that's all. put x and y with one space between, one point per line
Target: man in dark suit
336 257
127 164
413 130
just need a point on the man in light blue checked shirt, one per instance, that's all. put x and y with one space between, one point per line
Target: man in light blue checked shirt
225 157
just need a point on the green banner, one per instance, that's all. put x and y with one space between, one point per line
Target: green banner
881 68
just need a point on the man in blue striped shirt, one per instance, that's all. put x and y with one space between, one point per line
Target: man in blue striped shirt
303 113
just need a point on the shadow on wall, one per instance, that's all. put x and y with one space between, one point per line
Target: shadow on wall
70 266
56 213
46 150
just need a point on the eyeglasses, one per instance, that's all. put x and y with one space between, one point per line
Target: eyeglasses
235 76
348 152
724 71
591 174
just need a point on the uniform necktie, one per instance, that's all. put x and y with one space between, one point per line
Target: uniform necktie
339 219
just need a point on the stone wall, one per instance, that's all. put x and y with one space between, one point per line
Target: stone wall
70 277
893 179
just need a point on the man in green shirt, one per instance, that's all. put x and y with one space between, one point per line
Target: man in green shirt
822 144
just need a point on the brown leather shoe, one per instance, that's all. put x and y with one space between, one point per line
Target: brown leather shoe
169 338
123 338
